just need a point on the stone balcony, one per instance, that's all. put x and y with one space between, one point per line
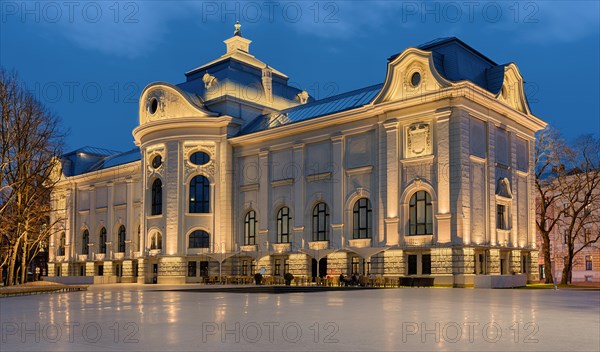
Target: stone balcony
249 248
360 242
418 241
318 245
119 256
82 257
100 256
154 252
282 247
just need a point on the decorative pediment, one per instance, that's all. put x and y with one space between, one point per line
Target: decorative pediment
161 101
513 90
503 188
410 74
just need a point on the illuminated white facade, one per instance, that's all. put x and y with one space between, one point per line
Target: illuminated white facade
428 174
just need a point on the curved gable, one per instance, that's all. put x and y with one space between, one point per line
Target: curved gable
398 81
165 101
512 92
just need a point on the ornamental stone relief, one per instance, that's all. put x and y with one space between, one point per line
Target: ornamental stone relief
418 140
192 147
151 153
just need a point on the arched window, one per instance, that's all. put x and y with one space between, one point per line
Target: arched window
363 219
156 208
250 228
156 241
61 245
121 238
421 214
85 241
199 239
283 225
321 222
102 241
199 195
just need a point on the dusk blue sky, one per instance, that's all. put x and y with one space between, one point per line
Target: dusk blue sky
89 61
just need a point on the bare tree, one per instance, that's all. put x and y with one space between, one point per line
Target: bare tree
579 185
549 148
30 143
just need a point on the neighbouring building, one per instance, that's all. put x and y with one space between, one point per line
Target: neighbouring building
586 263
429 173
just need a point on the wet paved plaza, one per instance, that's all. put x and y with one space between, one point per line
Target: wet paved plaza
141 318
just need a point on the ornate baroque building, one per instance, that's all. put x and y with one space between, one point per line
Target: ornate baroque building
429 174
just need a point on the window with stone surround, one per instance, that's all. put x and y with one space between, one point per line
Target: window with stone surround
362 219
426 264
421 214
191 269
250 228
321 222
199 239
502 217
156 203
283 225
121 239
85 241
199 195
588 262
156 241
61 245
102 241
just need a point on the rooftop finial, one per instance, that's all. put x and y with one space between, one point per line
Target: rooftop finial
237 27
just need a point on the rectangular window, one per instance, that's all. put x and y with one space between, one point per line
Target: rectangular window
426 264
501 217
204 268
502 147
412 264
524 264
191 269
244 268
522 147
588 262
252 268
277 267
355 265
587 235
286 266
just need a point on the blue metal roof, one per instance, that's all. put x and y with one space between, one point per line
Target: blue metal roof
327 106
88 159
118 159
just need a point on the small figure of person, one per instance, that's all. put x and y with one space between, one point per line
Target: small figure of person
342 279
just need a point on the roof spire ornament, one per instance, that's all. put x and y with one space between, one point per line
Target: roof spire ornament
237 27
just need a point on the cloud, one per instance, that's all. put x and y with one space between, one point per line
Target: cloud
135 28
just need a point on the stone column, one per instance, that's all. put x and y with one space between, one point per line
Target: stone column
141 274
130 231
90 269
442 149
263 197
493 233
298 195
127 271
391 174
338 179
